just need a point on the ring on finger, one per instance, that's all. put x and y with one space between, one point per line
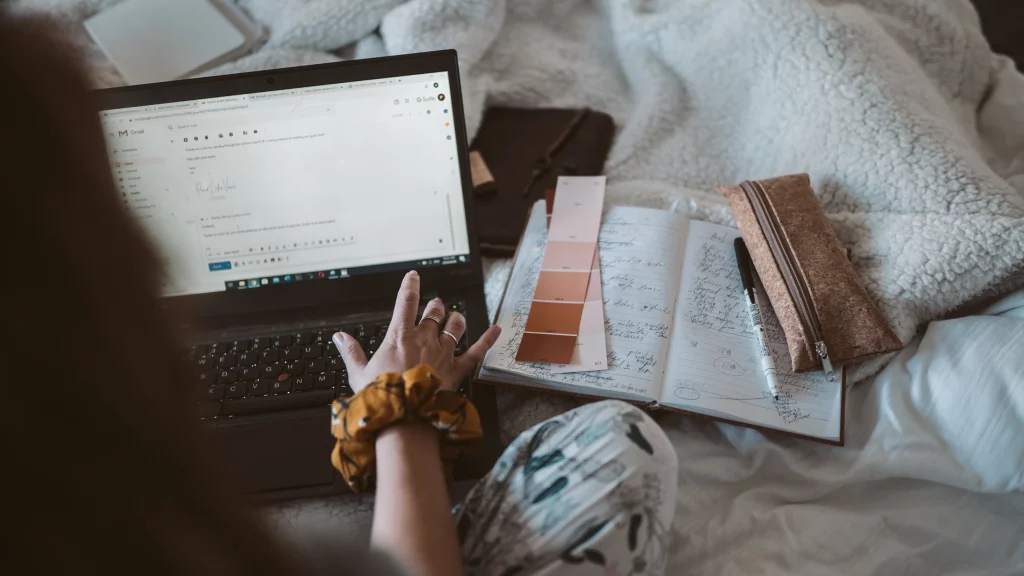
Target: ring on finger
450 335
434 310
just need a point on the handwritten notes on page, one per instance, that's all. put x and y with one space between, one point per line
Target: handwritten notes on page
640 272
713 363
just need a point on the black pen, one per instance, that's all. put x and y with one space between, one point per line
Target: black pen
747 276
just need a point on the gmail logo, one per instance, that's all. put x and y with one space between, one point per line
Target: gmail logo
122 133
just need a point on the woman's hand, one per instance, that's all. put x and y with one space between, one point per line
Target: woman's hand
408 344
411 516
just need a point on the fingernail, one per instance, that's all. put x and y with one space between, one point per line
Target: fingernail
437 299
339 340
413 274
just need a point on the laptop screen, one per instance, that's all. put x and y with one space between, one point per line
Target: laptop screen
298 185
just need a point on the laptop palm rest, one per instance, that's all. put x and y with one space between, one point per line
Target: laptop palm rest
286 451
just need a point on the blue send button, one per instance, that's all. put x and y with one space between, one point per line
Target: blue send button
215 266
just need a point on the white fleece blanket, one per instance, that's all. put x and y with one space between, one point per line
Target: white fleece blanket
912 130
913 133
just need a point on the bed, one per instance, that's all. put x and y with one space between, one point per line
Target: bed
913 132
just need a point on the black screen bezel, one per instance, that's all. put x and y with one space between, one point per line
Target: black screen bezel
282 297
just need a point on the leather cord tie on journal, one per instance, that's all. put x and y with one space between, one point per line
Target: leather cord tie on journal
544 164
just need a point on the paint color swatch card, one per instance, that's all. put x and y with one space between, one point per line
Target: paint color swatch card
676 331
591 353
556 312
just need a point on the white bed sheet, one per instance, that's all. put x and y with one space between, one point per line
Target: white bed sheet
930 480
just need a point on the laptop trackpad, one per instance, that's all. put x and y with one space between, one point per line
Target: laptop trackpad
277 453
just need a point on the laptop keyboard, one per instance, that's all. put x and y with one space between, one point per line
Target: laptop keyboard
283 371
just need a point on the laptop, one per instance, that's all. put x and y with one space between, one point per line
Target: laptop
287 205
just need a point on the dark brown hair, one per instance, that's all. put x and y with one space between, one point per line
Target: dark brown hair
106 466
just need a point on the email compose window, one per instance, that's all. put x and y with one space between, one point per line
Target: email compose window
293 185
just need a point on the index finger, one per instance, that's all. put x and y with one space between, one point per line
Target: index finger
470 358
407 302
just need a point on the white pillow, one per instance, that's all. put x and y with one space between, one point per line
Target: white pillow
957 392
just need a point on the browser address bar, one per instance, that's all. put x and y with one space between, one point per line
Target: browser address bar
189 113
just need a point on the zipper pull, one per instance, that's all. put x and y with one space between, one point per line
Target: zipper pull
822 351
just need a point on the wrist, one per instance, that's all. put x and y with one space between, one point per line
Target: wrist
419 435
401 418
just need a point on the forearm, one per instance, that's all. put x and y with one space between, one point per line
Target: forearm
412 518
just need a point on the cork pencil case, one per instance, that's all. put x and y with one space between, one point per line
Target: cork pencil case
826 314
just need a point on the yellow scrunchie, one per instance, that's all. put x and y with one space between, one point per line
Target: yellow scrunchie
410 396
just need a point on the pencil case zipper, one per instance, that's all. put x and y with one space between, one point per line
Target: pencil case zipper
786 262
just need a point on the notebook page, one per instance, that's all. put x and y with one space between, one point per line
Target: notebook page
640 271
714 367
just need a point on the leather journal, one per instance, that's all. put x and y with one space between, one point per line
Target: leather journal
522 152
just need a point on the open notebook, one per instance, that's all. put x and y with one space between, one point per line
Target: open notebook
677 332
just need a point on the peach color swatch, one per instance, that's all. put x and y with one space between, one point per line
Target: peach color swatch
568 256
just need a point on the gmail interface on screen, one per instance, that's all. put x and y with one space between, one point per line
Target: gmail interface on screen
295 185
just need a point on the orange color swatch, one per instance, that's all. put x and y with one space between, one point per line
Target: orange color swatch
563 287
548 348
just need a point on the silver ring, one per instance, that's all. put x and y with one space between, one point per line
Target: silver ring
434 318
452 336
